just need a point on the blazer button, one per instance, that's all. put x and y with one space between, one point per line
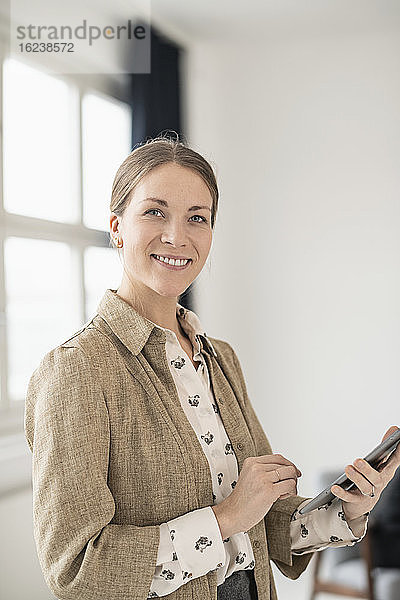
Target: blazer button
256 544
239 446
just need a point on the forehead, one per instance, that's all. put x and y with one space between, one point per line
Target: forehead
173 183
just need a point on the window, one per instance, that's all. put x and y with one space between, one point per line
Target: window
41 178
106 130
62 145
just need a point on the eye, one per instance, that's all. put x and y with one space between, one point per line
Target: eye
203 221
152 210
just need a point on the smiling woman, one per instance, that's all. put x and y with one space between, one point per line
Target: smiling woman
152 475
163 210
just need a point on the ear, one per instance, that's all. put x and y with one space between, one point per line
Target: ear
114 223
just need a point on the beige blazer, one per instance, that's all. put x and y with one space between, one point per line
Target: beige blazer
114 456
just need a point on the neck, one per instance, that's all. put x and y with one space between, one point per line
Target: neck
158 309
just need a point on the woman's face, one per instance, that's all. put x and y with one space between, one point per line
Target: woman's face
177 225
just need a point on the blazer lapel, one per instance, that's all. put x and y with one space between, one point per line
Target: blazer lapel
146 368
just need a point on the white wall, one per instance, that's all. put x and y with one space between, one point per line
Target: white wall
20 574
304 278
304 274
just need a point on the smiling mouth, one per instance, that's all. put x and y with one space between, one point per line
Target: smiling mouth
171 267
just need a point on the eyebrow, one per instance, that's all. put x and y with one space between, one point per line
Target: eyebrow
164 203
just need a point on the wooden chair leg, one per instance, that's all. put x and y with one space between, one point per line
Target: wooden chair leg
366 553
317 561
330 587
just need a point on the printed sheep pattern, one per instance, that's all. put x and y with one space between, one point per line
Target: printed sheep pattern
193 541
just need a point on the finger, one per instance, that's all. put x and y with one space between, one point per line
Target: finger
392 461
361 482
277 459
346 495
382 463
389 432
389 466
367 470
283 472
285 487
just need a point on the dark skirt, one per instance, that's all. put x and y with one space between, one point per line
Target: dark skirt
240 585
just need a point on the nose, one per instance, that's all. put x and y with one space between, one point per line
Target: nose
174 233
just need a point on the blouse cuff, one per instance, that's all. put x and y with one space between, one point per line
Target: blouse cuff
197 540
325 527
333 520
358 527
165 547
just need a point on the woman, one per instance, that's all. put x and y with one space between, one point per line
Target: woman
152 475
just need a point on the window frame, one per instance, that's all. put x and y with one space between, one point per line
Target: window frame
76 235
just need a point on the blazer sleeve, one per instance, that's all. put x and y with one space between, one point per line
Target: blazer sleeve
278 518
82 554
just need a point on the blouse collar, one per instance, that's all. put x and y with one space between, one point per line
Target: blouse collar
135 330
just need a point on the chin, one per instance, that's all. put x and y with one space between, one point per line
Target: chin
169 292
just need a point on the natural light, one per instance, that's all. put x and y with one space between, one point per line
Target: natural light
106 137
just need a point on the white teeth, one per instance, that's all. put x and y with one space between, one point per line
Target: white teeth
172 261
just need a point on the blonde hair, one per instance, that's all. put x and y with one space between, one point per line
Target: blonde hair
151 154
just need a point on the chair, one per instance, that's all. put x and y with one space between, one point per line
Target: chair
371 568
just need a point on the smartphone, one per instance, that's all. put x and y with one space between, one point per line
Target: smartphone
373 458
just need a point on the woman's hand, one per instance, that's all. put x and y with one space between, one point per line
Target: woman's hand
357 502
262 481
